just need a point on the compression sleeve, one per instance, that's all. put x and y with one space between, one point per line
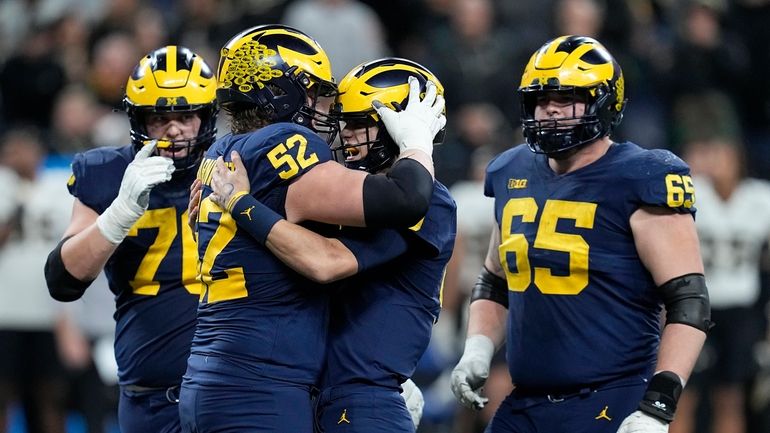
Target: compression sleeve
399 198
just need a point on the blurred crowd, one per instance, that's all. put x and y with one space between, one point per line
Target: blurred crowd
695 76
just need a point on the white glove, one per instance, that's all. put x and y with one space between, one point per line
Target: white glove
414 127
472 371
414 401
640 422
141 175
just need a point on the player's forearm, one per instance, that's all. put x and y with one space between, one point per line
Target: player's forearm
679 348
85 254
314 256
423 158
488 318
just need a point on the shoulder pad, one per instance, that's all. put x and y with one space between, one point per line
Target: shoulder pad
503 161
659 178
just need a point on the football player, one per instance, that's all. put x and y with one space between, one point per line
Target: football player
381 319
262 329
129 218
592 237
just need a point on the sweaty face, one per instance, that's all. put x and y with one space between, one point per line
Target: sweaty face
560 105
173 127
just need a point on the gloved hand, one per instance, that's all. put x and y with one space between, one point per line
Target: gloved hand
141 175
640 422
472 371
414 400
414 127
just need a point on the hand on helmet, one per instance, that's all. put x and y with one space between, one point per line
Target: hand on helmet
141 175
415 127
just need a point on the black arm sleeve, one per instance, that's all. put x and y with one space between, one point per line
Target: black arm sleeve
491 287
400 198
62 285
687 301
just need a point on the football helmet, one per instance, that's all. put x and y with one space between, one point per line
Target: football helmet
280 71
173 79
582 69
385 80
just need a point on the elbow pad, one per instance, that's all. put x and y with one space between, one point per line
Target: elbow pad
62 285
490 287
687 301
400 198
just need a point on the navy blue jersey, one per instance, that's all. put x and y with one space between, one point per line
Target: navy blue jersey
255 310
381 319
152 272
583 309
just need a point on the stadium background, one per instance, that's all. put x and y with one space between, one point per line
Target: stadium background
696 70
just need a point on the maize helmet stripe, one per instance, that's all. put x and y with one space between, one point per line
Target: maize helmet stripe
383 80
567 63
159 76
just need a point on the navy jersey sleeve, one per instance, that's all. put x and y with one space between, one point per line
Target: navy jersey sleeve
429 237
497 167
489 174
665 182
94 181
439 226
374 247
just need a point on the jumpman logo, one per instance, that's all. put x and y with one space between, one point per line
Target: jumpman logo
344 417
247 212
603 415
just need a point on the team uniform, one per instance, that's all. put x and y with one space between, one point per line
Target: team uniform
732 232
381 322
583 326
153 276
260 341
